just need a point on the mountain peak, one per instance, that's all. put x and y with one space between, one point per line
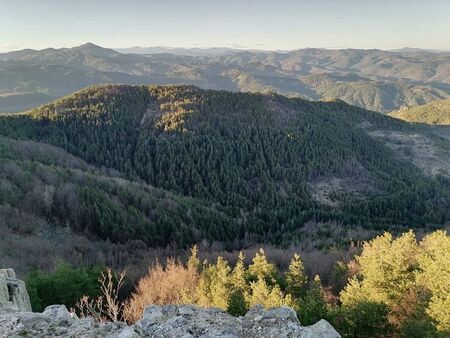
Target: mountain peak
91 48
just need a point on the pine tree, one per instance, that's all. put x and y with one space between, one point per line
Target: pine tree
203 290
296 278
237 305
239 274
240 288
313 306
220 284
266 295
387 276
261 268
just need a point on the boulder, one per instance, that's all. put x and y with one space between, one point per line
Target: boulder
13 293
321 329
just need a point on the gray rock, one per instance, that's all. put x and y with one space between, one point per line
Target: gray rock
160 322
13 292
321 329
170 310
187 310
281 313
58 314
8 273
151 316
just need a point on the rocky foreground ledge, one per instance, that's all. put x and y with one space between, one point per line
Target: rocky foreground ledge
169 321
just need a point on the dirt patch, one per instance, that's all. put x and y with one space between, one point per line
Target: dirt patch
152 112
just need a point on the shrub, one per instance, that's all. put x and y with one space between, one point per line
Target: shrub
65 285
162 285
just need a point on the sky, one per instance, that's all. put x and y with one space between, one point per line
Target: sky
250 24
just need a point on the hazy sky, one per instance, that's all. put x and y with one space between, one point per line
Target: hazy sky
262 24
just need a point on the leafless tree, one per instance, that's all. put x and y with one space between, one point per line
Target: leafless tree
107 307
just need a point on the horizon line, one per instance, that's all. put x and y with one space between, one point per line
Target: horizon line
236 48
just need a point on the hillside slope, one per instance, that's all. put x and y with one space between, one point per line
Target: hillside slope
373 79
437 112
244 167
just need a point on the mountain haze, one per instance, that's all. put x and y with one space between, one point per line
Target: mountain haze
373 79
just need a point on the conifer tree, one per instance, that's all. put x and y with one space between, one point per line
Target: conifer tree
239 274
296 278
237 305
313 306
220 284
203 290
267 295
261 268
387 276
240 288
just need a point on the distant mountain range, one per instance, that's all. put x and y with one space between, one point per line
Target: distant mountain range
373 79
215 51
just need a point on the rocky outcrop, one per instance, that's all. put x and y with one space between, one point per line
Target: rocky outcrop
13 293
169 321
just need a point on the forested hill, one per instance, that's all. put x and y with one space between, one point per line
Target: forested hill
436 112
265 167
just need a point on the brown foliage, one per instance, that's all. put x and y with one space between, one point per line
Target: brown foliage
162 285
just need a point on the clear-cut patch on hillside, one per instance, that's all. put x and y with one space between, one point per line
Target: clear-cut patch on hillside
355 180
152 112
326 190
422 151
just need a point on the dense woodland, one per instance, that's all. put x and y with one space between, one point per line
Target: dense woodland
241 163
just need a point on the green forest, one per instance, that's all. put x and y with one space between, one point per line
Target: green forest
248 159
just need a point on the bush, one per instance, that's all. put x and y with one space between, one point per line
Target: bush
365 319
65 285
162 285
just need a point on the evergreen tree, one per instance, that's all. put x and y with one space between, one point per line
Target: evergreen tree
203 290
261 268
220 284
264 294
237 305
296 278
387 270
313 307
240 288
239 274
364 320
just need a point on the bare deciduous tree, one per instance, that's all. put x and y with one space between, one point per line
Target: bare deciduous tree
107 306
